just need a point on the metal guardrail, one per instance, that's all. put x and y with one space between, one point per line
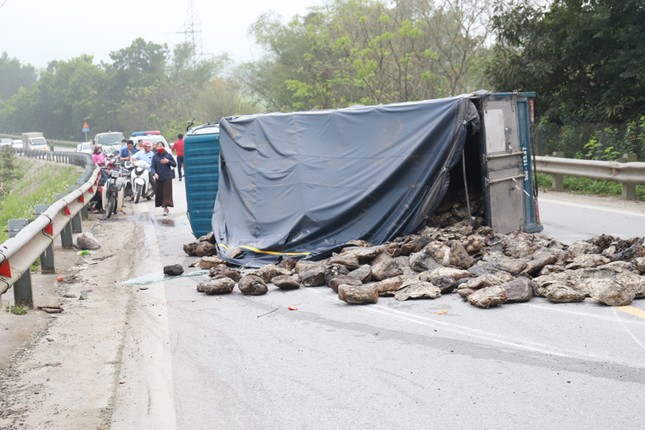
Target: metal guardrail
628 174
18 253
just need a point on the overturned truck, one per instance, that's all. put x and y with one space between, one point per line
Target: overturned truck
303 184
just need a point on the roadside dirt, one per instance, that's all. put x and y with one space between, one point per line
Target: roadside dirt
62 371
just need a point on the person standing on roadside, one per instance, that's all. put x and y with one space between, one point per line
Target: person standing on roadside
97 156
178 149
127 151
162 162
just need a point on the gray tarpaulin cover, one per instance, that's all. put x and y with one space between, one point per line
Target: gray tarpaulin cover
303 184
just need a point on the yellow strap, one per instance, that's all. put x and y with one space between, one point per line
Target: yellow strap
260 251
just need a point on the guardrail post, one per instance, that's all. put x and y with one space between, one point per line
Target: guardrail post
77 226
629 191
557 181
66 239
47 257
22 294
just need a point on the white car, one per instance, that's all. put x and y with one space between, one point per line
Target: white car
84 147
16 143
5 141
110 141
150 136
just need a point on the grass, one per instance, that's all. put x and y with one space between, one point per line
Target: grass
589 186
16 309
35 182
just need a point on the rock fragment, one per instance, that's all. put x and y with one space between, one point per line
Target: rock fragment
357 294
252 285
216 286
488 297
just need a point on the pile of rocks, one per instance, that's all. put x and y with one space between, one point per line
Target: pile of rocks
484 268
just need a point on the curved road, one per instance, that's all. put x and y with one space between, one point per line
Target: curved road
237 362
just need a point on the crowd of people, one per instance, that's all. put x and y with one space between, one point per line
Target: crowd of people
162 164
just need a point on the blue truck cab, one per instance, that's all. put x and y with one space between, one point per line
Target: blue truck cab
201 171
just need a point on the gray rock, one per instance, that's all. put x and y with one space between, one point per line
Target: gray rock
312 275
518 290
270 271
459 256
335 282
191 249
583 247
561 292
384 267
444 272
440 252
363 254
209 261
286 282
611 293
347 260
223 271
534 266
204 249
488 297
86 240
587 260
173 270
357 294
639 264
216 286
418 290
334 270
387 287
422 261
364 273
252 285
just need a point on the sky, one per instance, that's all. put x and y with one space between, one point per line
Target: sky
38 31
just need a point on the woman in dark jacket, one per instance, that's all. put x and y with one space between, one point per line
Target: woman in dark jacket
162 162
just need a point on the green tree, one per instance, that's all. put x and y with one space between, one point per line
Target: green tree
583 57
369 51
14 76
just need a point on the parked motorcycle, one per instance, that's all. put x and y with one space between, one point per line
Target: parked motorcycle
113 192
140 180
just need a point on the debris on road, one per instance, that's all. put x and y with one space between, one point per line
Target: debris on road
87 241
173 270
486 269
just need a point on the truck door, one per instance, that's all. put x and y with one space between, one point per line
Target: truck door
504 169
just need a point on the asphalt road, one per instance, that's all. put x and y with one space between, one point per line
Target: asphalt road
238 362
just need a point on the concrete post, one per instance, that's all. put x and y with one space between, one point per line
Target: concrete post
47 257
22 293
557 181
